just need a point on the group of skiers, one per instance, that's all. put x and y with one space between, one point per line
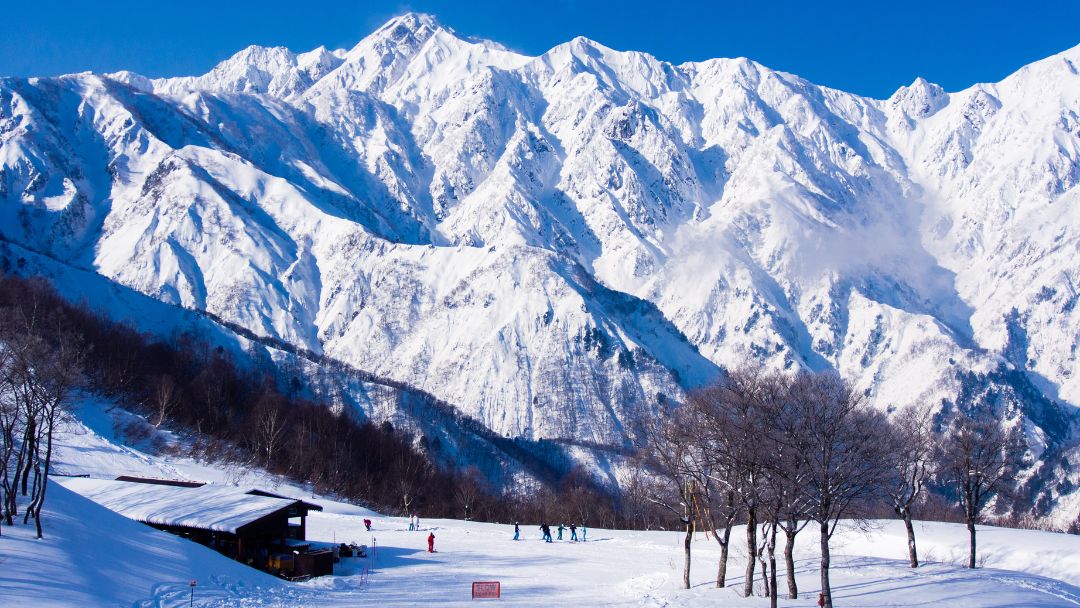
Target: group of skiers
545 532
414 525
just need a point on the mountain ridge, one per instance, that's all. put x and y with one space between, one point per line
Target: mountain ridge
560 244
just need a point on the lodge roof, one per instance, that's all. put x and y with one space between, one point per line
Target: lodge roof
206 507
182 483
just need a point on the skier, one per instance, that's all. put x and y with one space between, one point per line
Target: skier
367 524
431 543
573 532
517 531
561 528
584 531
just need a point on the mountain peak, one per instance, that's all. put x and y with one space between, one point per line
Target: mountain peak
412 22
581 48
920 99
401 35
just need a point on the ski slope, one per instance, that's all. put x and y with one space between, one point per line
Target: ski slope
626 568
93 557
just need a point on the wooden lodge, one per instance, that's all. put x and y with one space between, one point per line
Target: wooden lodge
259 528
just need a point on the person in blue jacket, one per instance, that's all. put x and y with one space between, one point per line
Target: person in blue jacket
561 528
583 532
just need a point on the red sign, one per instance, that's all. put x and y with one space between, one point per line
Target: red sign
489 590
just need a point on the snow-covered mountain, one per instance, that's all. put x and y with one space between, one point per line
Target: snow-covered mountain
559 244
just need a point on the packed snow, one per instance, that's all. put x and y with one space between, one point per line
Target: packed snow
91 556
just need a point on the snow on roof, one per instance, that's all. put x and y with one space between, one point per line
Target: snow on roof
208 507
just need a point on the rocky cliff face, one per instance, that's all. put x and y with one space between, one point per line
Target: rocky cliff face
559 244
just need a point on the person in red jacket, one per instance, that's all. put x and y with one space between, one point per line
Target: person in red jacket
431 543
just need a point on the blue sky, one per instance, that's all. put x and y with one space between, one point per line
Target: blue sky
869 48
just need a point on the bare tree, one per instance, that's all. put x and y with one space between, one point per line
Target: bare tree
269 425
164 399
578 498
842 449
668 454
735 413
977 458
911 455
766 553
408 471
743 455
9 421
39 374
715 504
636 492
718 509
468 487
59 372
18 424
788 476
782 502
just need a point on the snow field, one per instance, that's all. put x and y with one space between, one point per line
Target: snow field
93 557
630 568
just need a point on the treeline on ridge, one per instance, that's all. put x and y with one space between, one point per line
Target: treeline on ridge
239 415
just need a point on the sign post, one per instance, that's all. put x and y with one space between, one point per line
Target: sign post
191 601
486 590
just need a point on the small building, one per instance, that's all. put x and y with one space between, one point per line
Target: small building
249 525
